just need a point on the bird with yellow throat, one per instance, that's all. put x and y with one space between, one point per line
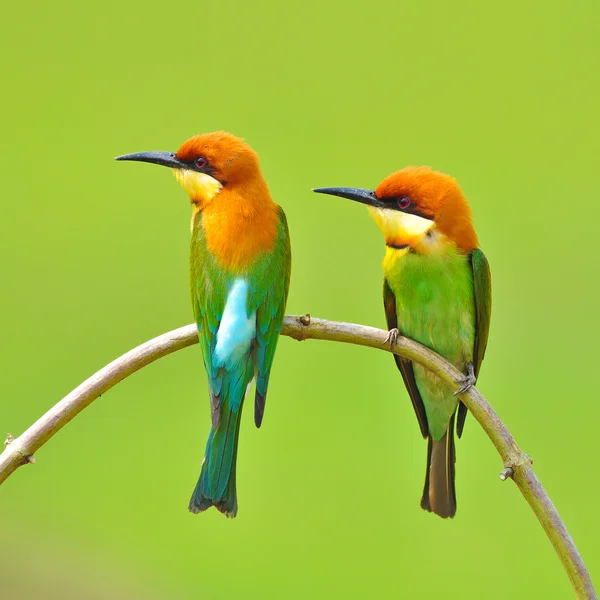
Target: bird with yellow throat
240 262
437 291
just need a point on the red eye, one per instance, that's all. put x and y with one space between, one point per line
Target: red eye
403 202
200 162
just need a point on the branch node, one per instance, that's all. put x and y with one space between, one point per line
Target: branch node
516 461
30 459
9 439
304 320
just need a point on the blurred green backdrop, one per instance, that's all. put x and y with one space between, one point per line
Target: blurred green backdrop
503 96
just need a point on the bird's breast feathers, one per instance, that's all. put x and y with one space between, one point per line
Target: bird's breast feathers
237 329
238 234
434 300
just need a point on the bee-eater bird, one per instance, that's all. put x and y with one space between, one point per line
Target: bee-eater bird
240 263
437 291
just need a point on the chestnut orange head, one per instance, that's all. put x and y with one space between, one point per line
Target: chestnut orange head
206 163
416 202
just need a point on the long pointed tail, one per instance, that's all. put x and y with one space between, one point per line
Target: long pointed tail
439 495
216 485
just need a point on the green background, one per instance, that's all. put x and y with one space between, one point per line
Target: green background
504 96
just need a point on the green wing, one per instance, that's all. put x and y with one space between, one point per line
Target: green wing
482 290
209 294
270 280
482 282
404 366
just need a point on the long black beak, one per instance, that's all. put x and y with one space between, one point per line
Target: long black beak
356 194
166 159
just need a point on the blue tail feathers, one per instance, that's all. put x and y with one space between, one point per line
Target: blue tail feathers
216 485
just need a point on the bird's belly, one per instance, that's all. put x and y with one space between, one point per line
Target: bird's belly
237 329
435 306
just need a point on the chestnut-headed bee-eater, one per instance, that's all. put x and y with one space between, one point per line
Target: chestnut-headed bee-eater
240 263
437 291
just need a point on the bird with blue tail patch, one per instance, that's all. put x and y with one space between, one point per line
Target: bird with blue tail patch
240 261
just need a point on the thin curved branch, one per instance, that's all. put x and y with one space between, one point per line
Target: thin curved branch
517 465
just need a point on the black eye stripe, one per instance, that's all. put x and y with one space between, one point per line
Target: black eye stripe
404 204
200 164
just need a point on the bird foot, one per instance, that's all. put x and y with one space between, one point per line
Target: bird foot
466 382
391 337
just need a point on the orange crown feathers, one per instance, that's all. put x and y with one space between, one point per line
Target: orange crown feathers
438 197
231 159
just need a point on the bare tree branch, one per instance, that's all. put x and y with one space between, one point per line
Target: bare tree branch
517 465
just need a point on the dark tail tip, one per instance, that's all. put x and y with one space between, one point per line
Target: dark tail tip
199 503
444 509
439 493
259 408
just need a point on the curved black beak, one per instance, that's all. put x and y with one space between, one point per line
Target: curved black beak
356 194
166 159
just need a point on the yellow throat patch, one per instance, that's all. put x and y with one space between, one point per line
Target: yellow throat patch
200 187
397 225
